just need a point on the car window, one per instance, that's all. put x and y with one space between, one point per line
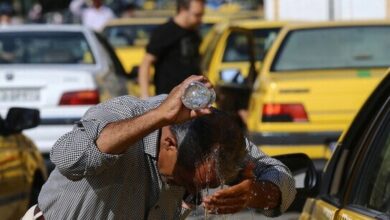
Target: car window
340 47
373 183
209 51
263 40
237 48
45 48
129 35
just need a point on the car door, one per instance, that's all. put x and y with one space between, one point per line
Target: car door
14 190
233 57
355 183
369 193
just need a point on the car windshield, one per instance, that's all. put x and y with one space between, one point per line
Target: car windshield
44 48
335 48
129 35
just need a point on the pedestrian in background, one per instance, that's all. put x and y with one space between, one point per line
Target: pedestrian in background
94 15
148 159
6 14
173 49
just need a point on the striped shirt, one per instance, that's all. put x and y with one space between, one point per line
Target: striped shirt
89 184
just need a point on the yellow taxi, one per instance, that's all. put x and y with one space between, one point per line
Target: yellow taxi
356 181
22 168
312 82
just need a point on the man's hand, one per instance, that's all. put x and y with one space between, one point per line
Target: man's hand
246 194
173 109
230 200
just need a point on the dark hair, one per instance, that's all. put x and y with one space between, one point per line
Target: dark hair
185 4
215 135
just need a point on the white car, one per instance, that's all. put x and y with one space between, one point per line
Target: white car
62 70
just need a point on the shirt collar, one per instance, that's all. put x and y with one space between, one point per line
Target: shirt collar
151 143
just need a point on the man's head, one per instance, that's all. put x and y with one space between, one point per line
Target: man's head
6 12
97 3
202 152
191 12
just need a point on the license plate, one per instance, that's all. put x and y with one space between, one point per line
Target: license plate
19 95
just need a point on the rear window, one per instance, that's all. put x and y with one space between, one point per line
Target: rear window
45 48
334 48
237 47
129 35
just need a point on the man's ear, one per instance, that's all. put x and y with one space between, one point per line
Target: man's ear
169 143
168 139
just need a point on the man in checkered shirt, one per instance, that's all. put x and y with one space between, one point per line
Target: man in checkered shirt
148 159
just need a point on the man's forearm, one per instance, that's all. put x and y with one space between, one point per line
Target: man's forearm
116 137
265 195
143 78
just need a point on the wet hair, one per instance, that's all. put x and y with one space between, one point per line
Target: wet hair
185 4
216 136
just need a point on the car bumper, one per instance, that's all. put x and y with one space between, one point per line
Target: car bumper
317 145
294 138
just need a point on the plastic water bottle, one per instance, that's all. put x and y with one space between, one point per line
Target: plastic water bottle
197 96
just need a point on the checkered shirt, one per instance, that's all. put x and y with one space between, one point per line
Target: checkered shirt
89 184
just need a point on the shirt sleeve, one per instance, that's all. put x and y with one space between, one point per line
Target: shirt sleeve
76 7
76 155
272 170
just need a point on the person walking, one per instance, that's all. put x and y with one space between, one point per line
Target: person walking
129 158
94 16
173 49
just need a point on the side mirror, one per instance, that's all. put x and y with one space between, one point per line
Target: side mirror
305 174
19 119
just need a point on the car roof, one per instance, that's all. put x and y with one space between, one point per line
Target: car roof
136 21
44 27
258 23
325 24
